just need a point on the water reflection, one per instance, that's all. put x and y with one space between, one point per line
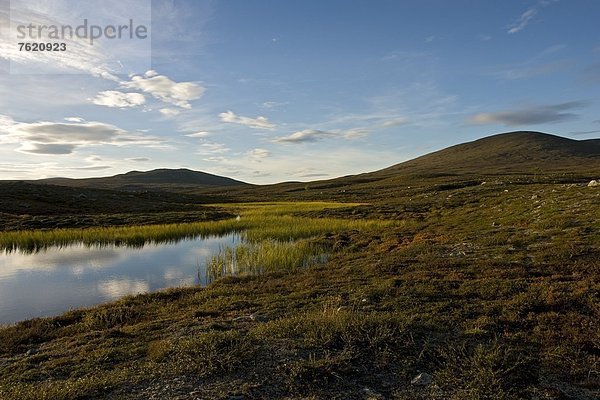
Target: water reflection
56 280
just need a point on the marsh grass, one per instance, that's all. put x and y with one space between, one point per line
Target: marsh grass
258 221
31 241
266 256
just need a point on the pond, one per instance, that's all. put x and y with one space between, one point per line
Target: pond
56 280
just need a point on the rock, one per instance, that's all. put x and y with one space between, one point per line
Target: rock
370 394
31 352
423 379
593 183
258 318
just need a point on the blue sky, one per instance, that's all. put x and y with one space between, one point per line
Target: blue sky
269 91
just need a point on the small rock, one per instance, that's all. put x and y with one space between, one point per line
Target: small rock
258 318
593 183
372 395
31 352
535 196
423 379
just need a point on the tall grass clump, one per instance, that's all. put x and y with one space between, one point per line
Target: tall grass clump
264 257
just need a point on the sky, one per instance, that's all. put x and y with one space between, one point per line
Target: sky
266 91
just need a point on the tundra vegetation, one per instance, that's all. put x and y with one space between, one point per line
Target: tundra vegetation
491 289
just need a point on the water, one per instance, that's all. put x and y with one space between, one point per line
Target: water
59 279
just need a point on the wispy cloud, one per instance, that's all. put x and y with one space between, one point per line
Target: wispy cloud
271 105
395 122
537 65
553 113
258 154
209 148
526 17
584 133
591 74
256 123
105 59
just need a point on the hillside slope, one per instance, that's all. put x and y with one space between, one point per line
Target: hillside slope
507 153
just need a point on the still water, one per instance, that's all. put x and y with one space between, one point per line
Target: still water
59 279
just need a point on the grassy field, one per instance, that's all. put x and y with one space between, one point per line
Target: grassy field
491 289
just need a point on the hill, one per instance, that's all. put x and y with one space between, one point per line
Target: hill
507 153
164 179
514 156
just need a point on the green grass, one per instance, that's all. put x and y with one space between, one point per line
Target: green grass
265 257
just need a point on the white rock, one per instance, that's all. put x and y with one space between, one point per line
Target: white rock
593 183
423 379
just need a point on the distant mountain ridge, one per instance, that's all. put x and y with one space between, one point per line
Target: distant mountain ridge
521 152
158 178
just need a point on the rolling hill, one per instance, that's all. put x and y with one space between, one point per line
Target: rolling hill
507 153
163 179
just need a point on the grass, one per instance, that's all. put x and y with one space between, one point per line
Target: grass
136 236
492 295
265 256
257 222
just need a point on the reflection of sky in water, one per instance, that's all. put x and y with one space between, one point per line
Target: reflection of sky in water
56 280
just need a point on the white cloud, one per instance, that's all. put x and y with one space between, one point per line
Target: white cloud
201 134
270 105
164 89
305 136
209 148
41 148
74 119
259 153
169 112
315 135
115 99
355 133
64 138
256 123
395 122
